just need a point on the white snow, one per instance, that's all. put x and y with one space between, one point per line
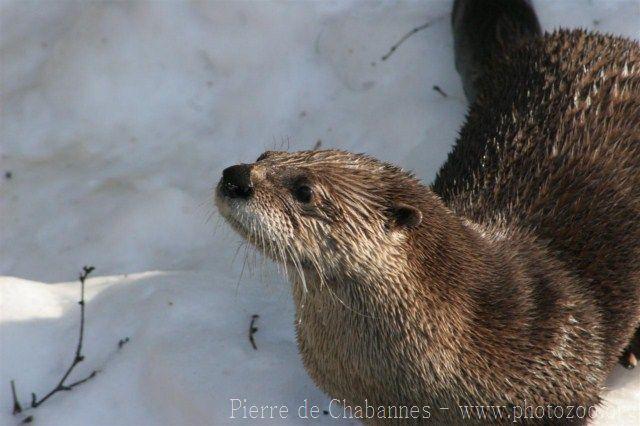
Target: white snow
116 120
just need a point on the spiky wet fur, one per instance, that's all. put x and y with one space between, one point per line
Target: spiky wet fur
521 283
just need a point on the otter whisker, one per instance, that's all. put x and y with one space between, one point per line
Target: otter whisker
205 202
237 250
209 215
244 263
216 227
298 266
355 311
284 260
263 247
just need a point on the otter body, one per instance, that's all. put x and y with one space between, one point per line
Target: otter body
552 146
512 281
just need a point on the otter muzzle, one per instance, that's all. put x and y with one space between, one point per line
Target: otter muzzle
236 181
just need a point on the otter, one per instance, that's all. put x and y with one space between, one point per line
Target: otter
513 280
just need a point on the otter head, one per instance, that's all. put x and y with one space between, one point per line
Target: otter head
328 212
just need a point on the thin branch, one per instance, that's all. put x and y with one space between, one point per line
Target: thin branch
405 37
61 386
439 90
16 405
79 382
252 330
124 341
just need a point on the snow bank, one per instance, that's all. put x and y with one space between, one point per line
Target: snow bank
188 352
116 121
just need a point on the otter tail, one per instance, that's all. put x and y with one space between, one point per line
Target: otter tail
483 30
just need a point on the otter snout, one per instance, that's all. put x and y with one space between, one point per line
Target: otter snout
236 181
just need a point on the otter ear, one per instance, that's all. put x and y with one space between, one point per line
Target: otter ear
404 216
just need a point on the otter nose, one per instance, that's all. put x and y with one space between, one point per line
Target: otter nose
236 181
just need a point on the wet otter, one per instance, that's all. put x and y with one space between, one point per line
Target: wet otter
514 279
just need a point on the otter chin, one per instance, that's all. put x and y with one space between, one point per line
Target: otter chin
513 280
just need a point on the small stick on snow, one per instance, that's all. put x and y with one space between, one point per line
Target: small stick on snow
404 38
123 342
439 90
252 330
61 386
16 405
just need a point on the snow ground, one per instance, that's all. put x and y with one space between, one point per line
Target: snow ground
116 120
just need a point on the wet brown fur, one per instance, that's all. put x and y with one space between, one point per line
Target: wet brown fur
521 282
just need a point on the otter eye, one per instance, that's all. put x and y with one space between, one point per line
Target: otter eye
303 193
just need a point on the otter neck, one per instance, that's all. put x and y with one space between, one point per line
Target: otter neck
431 282
420 308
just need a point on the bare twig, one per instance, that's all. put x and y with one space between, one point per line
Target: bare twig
252 330
439 90
123 342
78 358
79 382
17 408
61 386
404 38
